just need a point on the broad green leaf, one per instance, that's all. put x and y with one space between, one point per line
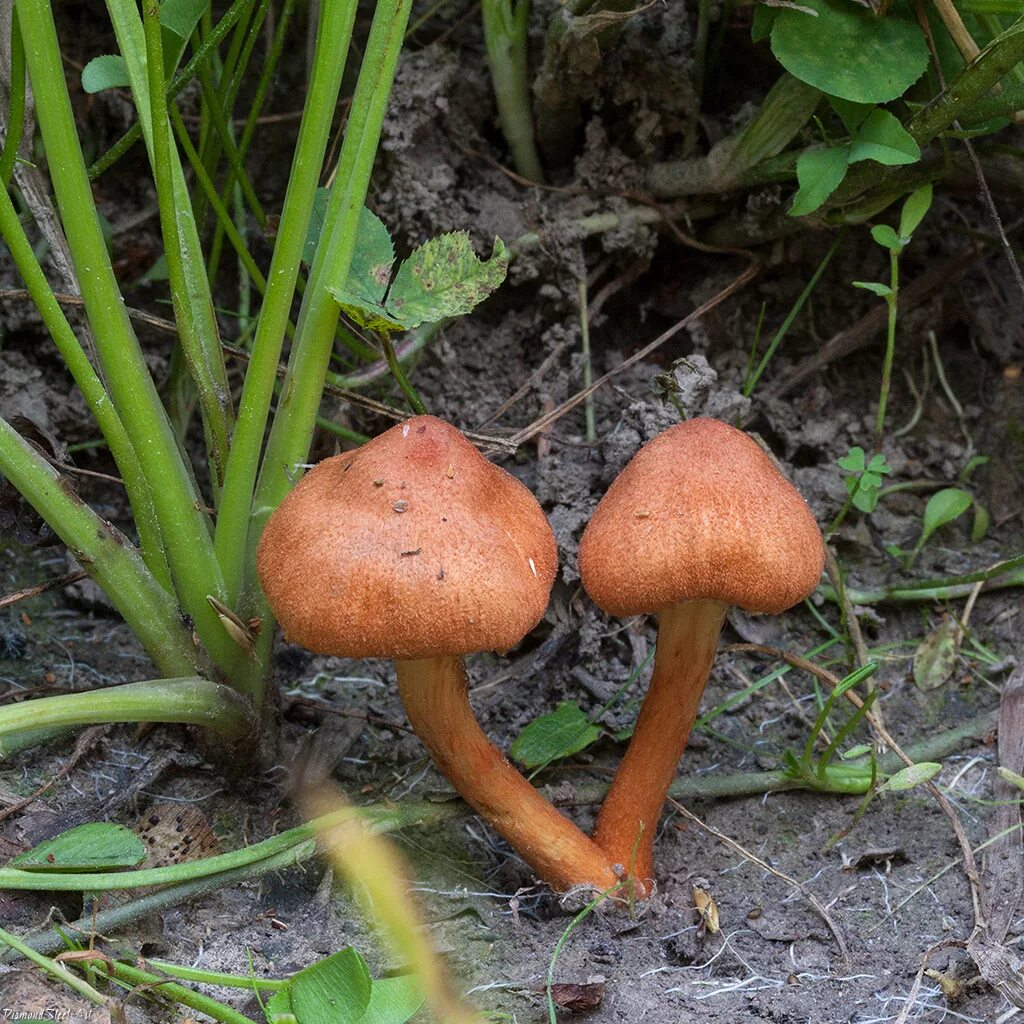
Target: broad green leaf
1012 777
334 989
853 460
560 733
883 139
911 776
393 1000
883 291
370 271
278 1008
182 16
935 657
914 210
444 278
764 19
441 279
105 72
848 52
887 238
96 846
851 114
942 508
818 172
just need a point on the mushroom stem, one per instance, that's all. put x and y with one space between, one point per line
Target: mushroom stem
626 825
436 698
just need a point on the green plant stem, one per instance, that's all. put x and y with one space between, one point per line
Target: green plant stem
187 701
52 940
95 394
105 554
198 60
752 378
892 301
142 48
295 418
135 977
431 812
183 523
1009 574
252 117
224 219
505 37
16 105
204 977
83 988
411 394
233 522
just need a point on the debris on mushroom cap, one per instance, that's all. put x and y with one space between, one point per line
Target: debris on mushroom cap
413 546
701 512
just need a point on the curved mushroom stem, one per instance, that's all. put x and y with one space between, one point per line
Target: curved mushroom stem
435 694
626 825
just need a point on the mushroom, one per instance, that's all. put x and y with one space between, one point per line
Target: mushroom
699 520
414 547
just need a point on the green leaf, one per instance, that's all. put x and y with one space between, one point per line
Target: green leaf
182 16
361 295
935 657
848 52
878 464
278 1009
764 19
883 291
96 846
883 139
444 278
558 734
316 224
887 238
334 989
818 172
980 527
393 1000
858 751
851 114
914 210
788 106
911 776
105 72
853 460
943 507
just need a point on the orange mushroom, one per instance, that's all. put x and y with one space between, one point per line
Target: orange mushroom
699 520
414 547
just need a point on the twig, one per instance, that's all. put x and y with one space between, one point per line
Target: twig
41 588
82 747
754 859
559 411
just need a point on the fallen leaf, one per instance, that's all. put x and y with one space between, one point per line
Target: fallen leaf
578 998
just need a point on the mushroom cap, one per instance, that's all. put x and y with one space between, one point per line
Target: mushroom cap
412 546
700 513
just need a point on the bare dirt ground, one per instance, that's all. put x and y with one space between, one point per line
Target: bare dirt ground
892 885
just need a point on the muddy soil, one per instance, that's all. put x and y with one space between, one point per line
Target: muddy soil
889 880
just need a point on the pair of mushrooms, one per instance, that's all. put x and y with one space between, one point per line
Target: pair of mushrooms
414 547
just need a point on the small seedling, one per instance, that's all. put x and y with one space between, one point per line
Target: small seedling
913 212
863 478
